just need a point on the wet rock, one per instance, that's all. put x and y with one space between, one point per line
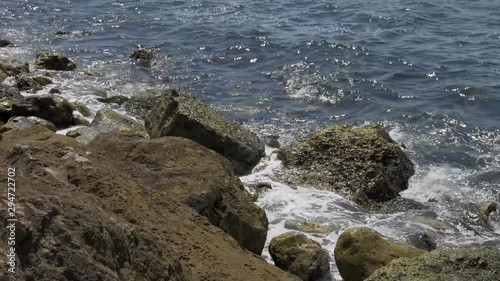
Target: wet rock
421 241
12 67
433 221
82 108
107 120
6 108
54 91
27 122
360 251
444 264
142 102
143 56
194 175
8 91
272 141
399 204
3 76
5 43
175 114
114 99
49 107
54 61
299 255
487 208
25 83
363 164
308 226
80 120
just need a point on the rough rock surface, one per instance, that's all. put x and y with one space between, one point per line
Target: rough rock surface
114 99
299 255
360 251
12 67
81 219
49 107
143 56
175 114
6 108
82 108
34 84
463 264
8 91
191 174
27 122
108 120
363 164
54 61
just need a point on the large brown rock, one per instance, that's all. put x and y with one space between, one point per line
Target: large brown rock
363 164
81 219
192 174
177 114
299 255
49 107
360 251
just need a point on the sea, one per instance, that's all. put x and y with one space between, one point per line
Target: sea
426 70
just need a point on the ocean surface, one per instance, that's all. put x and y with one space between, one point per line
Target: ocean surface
428 71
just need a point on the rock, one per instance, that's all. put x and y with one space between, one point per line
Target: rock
6 108
27 122
82 108
5 43
487 208
49 107
54 91
114 99
80 218
83 135
25 83
3 76
142 102
107 120
299 255
481 264
421 241
76 33
8 91
12 67
272 141
54 61
80 120
360 251
175 114
143 56
192 174
364 164
308 226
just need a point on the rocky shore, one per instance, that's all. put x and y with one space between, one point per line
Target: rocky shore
158 197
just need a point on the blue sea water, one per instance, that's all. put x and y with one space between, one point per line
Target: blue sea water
428 70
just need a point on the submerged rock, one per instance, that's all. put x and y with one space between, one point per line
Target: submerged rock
49 107
194 175
360 251
481 264
12 67
81 218
143 56
363 164
299 255
421 241
175 114
27 122
54 61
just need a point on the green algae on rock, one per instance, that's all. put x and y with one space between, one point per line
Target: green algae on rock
299 255
363 164
462 264
360 251
178 114
54 61
12 67
49 107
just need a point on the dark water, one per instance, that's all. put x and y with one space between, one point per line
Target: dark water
427 70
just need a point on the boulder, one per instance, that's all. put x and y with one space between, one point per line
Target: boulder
5 43
82 108
79 120
54 61
481 264
108 120
80 218
363 164
6 108
299 255
192 174
25 83
360 251
12 67
49 107
175 114
27 122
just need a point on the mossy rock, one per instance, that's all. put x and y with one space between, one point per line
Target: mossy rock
12 67
363 164
22 122
299 255
108 120
49 107
308 226
360 251
25 83
463 264
82 108
54 61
